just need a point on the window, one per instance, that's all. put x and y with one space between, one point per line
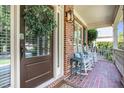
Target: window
77 38
84 36
37 44
4 46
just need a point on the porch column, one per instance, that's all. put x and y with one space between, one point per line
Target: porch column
123 23
115 37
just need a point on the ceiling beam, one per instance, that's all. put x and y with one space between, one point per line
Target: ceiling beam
80 18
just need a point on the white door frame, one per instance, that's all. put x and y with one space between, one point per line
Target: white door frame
15 46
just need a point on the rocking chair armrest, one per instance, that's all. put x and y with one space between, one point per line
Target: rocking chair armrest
76 59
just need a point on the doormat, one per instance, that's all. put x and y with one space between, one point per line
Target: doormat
65 86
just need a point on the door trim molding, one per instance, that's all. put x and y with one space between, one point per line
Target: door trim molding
58 71
15 46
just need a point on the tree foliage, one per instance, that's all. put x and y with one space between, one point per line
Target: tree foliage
92 35
105 45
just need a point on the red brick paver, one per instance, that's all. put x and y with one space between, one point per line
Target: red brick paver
103 75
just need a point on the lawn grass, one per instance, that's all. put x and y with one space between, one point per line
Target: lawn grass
4 61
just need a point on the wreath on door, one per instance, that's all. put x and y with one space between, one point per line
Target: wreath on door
39 19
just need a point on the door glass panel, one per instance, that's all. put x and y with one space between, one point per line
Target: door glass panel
37 44
4 46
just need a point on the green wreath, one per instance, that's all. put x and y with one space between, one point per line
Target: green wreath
39 19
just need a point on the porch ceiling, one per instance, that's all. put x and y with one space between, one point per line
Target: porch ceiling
96 16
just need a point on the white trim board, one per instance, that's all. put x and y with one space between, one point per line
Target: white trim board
15 46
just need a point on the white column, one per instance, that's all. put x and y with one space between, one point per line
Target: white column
115 37
122 19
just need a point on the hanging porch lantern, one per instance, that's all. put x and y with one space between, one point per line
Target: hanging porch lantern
69 16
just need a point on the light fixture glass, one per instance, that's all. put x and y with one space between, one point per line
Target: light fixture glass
70 16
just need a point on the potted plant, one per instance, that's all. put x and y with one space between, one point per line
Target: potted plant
92 35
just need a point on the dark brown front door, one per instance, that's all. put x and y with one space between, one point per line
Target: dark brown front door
36 55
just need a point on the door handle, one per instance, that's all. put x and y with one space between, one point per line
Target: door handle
21 52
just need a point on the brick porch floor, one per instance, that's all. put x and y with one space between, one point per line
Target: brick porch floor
103 75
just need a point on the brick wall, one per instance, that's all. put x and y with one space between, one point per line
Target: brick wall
68 42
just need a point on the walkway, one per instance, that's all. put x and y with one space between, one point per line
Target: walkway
104 75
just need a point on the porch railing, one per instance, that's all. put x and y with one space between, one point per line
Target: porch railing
4 76
118 58
107 53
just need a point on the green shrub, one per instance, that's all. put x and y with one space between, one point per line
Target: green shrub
105 45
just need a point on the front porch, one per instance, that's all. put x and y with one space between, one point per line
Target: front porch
49 66
104 75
